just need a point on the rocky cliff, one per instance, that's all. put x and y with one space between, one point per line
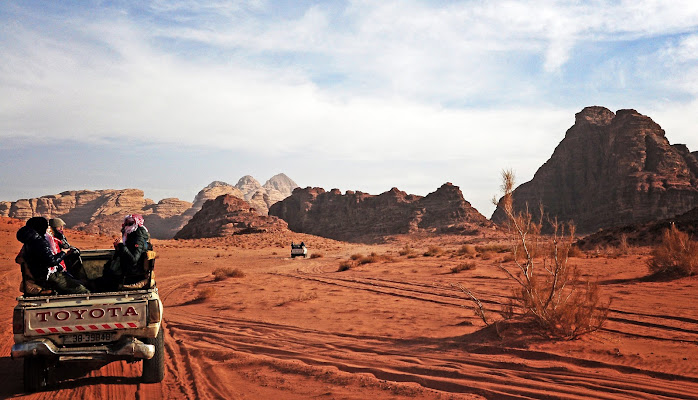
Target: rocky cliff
357 216
102 211
612 170
228 215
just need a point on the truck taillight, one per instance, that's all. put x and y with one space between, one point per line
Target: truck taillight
18 321
153 311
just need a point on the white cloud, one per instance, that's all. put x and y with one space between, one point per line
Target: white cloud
392 80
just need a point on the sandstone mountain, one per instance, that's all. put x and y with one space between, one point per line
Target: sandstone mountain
228 215
248 188
102 211
357 216
612 170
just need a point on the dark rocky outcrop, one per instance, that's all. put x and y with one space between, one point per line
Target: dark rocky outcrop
228 215
612 170
357 216
647 234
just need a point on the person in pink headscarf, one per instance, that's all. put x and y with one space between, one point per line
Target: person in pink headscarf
128 250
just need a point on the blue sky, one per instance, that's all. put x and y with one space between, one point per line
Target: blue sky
167 96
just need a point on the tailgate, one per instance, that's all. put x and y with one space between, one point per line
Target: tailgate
85 317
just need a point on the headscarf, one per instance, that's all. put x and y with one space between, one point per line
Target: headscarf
131 223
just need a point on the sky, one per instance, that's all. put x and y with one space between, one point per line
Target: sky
168 96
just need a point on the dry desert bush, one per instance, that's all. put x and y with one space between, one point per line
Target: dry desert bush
316 255
492 248
205 294
220 274
298 299
549 291
467 250
677 254
345 266
433 251
408 251
466 266
360 259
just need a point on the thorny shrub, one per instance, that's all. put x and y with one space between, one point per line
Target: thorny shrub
220 274
466 266
206 293
467 250
407 251
345 266
360 259
676 255
548 290
433 251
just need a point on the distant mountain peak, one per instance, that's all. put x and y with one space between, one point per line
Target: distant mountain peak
217 184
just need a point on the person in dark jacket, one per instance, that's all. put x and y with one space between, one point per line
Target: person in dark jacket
128 250
44 265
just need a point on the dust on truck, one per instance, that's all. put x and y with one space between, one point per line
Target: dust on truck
51 330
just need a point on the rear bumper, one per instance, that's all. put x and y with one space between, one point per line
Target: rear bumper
126 348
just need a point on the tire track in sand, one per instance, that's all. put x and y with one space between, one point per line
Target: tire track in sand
512 373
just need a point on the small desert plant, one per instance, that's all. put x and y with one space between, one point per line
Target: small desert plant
407 251
300 298
468 250
624 246
576 252
220 274
676 255
433 251
205 294
345 266
316 255
493 247
466 266
374 258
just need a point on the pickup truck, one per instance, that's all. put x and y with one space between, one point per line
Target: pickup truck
298 250
51 330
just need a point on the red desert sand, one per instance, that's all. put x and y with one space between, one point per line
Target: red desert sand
395 328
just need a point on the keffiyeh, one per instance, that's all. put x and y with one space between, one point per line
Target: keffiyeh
131 223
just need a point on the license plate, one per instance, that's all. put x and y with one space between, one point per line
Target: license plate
90 337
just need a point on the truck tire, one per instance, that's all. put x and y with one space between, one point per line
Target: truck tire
154 369
35 374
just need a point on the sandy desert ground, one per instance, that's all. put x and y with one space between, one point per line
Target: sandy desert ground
394 329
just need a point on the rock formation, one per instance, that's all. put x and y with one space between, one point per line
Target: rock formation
261 197
647 234
102 211
210 192
612 170
228 215
279 187
357 216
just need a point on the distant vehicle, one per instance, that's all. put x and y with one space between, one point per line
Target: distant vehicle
51 330
298 250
